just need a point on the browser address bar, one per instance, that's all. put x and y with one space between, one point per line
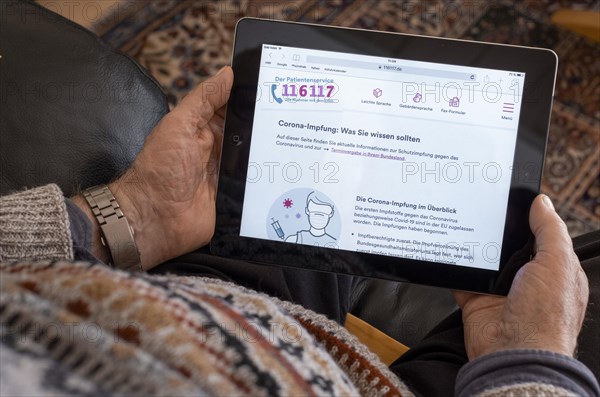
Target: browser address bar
446 74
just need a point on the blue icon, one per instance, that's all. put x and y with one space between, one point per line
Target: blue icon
304 216
277 228
277 99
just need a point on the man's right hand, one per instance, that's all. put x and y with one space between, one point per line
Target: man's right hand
547 300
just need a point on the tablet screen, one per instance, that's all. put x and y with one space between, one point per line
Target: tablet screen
383 156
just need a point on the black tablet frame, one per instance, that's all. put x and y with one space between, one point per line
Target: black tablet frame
539 66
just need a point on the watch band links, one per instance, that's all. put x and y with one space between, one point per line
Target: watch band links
116 233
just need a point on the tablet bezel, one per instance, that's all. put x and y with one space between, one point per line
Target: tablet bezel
539 66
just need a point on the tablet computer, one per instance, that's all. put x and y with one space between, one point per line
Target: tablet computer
382 155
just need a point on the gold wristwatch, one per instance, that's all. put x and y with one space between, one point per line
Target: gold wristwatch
116 233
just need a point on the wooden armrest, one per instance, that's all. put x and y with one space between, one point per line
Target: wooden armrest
586 23
387 348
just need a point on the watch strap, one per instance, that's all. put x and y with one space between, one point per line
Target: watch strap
116 233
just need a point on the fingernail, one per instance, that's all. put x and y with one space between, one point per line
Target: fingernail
220 71
547 201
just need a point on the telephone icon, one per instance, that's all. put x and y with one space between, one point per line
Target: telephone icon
277 99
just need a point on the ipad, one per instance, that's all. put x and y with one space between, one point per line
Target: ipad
382 155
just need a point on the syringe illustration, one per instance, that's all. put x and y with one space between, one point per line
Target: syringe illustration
277 228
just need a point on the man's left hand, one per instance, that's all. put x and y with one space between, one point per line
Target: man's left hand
168 194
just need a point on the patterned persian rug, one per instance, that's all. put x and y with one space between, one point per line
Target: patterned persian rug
182 42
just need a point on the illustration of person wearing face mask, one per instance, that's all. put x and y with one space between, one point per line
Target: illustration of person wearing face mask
319 214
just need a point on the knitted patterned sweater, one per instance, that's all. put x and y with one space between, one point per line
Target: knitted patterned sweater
83 328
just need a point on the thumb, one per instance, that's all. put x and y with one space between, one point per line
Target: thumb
551 235
462 297
210 95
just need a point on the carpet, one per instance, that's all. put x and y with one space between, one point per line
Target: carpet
182 42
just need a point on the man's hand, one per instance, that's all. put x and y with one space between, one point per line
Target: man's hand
168 194
547 300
